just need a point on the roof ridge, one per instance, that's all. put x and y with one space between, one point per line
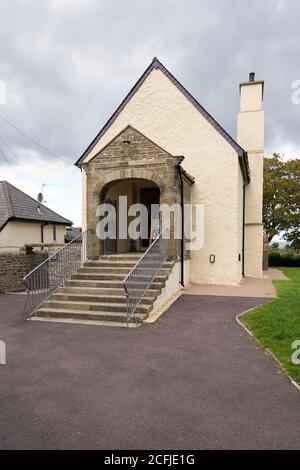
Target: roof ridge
7 196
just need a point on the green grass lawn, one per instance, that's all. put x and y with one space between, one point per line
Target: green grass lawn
276 324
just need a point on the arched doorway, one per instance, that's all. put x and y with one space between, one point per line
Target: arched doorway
125 196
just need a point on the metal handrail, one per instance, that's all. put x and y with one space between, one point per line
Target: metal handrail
52 273
52 256
140 277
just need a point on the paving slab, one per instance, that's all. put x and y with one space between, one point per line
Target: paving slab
248 287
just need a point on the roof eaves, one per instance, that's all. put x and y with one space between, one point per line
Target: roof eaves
6 222
244 163
188 176
45 220
37 221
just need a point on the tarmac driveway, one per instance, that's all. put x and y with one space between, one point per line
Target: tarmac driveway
194 379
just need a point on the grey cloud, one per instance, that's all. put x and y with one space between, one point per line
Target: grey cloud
67 64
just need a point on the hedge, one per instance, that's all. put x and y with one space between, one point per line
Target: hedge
277 259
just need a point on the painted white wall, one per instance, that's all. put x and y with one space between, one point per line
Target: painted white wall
251 96
16 234
160 111
172 284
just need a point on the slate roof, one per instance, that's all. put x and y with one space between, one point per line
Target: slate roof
16 205
156 64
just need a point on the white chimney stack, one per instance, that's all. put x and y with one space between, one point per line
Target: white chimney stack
250 135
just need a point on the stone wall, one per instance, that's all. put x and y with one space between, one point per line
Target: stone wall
14 266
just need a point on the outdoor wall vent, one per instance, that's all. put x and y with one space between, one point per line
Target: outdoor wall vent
212 258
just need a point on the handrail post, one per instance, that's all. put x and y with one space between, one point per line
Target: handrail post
141 276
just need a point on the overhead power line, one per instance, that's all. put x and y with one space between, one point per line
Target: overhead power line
17 160
12 168
33 141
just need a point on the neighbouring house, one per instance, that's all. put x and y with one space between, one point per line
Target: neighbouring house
26 223
161 148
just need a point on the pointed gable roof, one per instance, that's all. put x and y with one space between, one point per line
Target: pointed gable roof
16 205
156 64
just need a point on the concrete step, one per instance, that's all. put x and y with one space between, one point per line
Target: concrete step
122 264
102 298
92 283
99 264
95 291
117 270
93 306
109 276
95 294
113 317
125 259
98 276
121 257
76 321
104 270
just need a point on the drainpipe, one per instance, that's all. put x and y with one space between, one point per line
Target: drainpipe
182 227
42 233
243 235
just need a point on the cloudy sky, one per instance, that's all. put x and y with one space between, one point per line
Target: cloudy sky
65 65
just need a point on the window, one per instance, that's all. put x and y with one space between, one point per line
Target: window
54 232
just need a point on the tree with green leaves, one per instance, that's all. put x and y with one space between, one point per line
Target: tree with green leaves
281 208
